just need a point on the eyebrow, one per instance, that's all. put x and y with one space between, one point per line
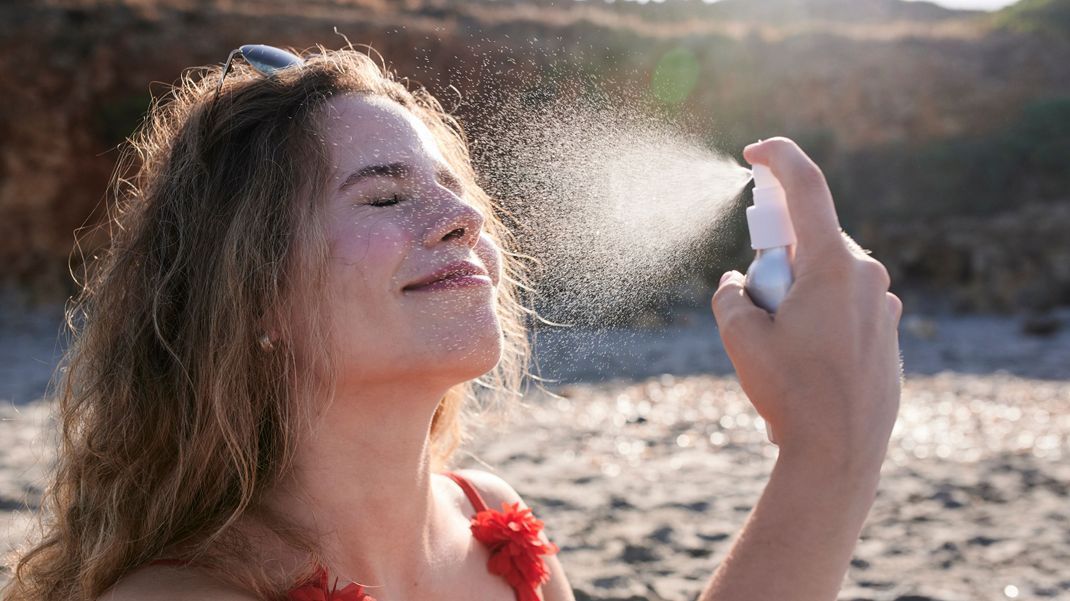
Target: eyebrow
398 171
395 170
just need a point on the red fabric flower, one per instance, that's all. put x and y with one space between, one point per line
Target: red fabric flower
512 535
315 589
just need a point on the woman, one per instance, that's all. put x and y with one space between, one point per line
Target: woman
282 348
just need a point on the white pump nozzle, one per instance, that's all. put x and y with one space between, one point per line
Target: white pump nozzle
769 220
763 177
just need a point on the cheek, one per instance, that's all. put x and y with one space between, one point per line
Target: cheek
365 238
365 252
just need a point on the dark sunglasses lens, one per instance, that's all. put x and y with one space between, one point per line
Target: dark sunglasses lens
268 59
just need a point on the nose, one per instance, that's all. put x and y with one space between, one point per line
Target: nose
456 220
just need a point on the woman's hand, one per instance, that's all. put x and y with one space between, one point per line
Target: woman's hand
824 372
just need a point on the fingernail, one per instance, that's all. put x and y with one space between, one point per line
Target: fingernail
725 277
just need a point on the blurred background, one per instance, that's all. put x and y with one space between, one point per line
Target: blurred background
945 134
943 129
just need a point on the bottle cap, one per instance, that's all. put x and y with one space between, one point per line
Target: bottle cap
769 220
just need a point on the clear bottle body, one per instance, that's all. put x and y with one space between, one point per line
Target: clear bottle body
769 277
767 282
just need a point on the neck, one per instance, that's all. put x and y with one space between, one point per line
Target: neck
362 485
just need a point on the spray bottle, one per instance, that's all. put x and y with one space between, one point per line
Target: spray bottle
769 276
771 234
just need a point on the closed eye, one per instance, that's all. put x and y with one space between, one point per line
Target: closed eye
387 201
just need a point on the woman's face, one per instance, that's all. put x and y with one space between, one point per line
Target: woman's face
398 219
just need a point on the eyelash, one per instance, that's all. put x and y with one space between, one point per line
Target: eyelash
390 201
394 199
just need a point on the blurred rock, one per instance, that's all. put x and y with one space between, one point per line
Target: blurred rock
1016 260
1044 324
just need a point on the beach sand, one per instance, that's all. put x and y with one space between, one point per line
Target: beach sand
643 481
645 484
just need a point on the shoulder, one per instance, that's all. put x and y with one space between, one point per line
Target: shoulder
495 491
169 583
492 487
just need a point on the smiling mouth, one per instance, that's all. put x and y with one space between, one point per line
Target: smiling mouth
453 282
460 274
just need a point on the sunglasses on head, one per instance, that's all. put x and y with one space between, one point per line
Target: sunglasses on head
265 59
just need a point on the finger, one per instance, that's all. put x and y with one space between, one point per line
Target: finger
855 248
895 307
738 318
810 205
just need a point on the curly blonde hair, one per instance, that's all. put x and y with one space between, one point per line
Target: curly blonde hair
173 421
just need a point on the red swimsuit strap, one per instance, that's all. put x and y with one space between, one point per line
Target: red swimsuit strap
473 494
524 590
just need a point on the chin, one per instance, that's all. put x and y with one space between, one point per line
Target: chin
461 344
471 352
477 355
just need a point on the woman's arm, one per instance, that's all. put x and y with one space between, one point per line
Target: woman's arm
825 374
799 538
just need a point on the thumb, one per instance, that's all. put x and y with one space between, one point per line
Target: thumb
738 318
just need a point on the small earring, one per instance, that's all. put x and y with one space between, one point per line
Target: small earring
266 344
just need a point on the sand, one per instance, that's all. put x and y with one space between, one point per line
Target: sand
644 484
644 480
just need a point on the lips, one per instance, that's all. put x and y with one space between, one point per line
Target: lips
460 269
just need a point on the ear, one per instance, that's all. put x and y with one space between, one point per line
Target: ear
268 325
